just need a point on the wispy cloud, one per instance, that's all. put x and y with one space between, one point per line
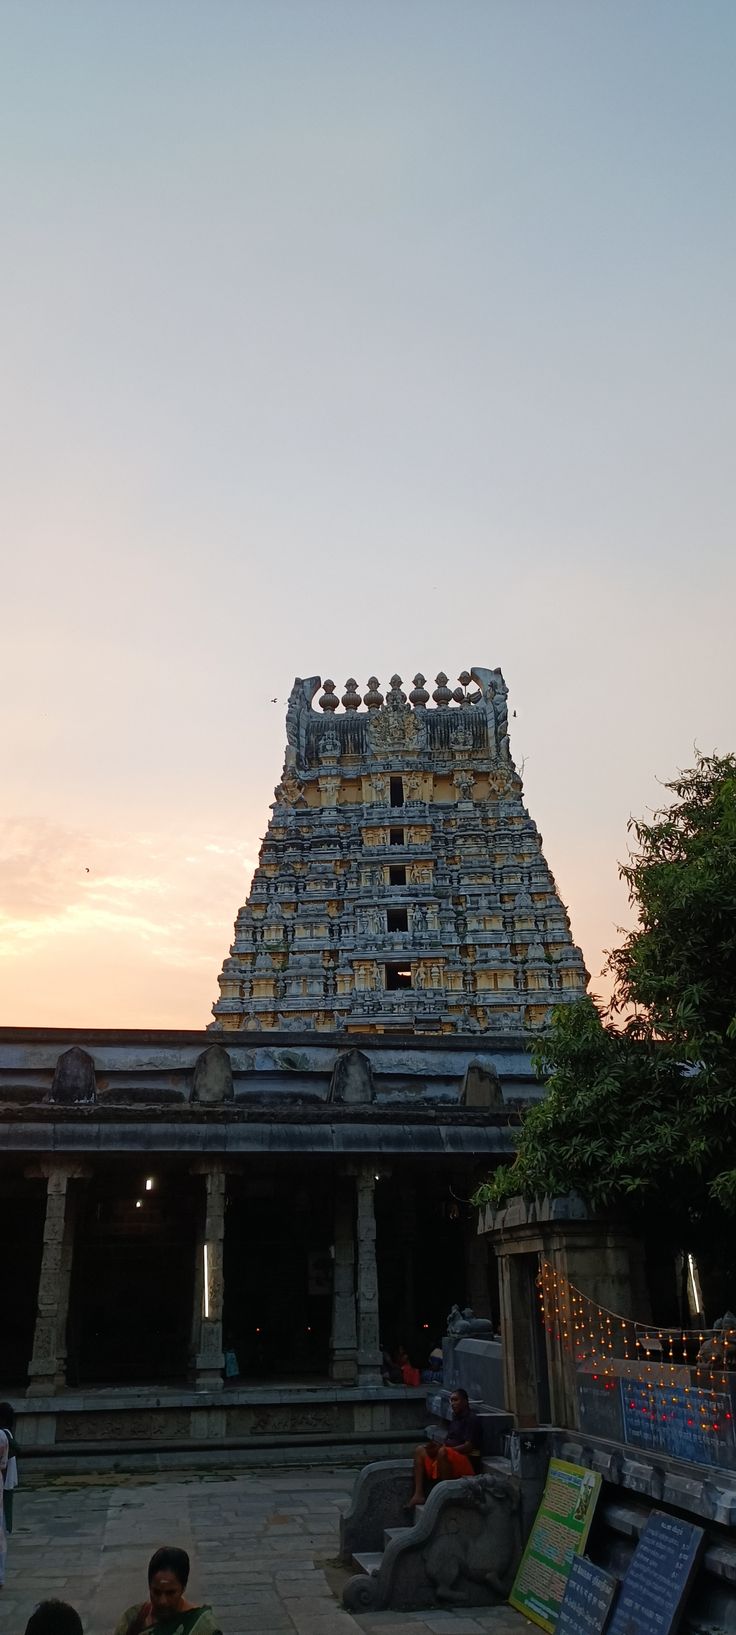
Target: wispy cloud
87 901
73 922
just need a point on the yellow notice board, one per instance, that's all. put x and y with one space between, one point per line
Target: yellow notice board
560 1530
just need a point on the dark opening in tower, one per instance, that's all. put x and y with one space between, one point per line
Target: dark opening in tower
398 976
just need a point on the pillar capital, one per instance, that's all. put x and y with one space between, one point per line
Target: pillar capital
369 1173
58 1170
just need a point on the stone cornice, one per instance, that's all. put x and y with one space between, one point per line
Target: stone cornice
269 1039
126 1134
400 1114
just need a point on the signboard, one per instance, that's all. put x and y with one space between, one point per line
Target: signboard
559 1533
588 1599
599 1405
659 1575
685 1421
677 1414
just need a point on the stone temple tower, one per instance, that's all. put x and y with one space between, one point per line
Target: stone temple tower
401 885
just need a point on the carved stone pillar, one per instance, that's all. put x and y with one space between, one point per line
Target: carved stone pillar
369 1349
73 1202
46 1369
343 1341
209 1283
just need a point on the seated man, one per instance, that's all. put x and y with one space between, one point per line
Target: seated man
458 1455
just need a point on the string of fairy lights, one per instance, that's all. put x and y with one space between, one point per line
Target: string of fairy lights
665 1373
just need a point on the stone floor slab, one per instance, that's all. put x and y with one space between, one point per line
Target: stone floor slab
258 1546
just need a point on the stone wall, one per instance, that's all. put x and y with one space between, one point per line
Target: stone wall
100 1428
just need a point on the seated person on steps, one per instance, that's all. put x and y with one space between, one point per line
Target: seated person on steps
458 1455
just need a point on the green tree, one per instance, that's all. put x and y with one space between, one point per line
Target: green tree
640 1107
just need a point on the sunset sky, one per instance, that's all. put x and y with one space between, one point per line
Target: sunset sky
342 337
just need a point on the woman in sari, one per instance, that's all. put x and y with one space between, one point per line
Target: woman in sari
167 1610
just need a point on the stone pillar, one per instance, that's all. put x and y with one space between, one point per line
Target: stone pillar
369 1350
517 1296
65 1279
343 1341
408 1230
597 1255
47 1365
209 1283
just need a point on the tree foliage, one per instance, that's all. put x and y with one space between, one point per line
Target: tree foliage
679 965
643 1111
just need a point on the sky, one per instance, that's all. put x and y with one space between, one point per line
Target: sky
346 337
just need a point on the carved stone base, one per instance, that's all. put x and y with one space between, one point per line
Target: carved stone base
344 1370
369 1373
41 1385
463 1551
208 1378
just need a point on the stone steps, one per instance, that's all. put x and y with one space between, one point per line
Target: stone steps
72 1458
393 1532
369 1561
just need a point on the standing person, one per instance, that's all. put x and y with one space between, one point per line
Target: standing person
10 1482
167 1607
4 1456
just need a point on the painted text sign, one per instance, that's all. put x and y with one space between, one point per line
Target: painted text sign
559 1533
588 1599
661 1570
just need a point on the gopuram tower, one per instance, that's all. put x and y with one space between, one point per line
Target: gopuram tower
401 885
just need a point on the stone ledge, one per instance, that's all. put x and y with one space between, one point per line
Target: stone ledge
69 1462
265 1039
699 1490
118 1399
225 1135
520 1212
244 1110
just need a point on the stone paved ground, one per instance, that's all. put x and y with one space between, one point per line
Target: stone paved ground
263 1550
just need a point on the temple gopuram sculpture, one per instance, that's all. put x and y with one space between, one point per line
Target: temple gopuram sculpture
401 884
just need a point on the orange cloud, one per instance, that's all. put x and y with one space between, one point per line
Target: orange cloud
85 917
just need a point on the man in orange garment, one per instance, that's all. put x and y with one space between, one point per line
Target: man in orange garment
458 1455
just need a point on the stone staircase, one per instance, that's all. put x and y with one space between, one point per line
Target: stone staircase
409 1560
370 1561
